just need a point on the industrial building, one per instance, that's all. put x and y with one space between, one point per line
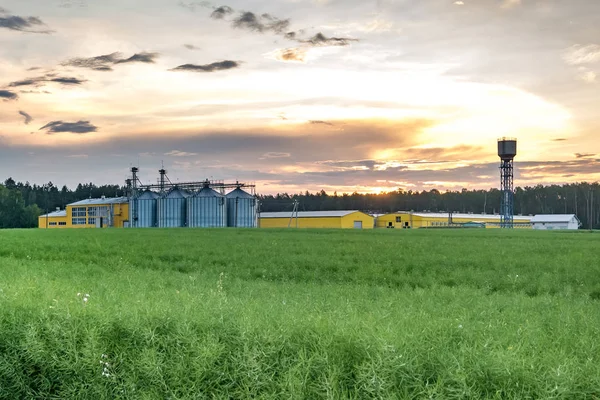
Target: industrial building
555 221
317 219
90 213
415 220
164 205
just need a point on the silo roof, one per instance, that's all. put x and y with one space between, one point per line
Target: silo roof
148 195
177 193
208 192
239 193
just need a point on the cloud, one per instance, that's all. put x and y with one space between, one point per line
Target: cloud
320 123
193 4
48 78
216 66
28 117
144 57
106 61
274 154
511 3
321 40
177 153
79 127
221 12
292 54
584 155
8 95
264 23
21 24
191 47
588 76
582 54
459 3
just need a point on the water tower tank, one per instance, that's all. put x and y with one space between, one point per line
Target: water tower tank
507 148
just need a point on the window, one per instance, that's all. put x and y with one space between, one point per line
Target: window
78 221
91 221
92 212
62 224
52 224
78 212
398 219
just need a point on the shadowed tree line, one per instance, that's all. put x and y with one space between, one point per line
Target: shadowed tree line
574 198
22 203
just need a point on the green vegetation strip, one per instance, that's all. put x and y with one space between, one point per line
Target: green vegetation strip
193 314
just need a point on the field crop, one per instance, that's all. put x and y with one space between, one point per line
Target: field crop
293 314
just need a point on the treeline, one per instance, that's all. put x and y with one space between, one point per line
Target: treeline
575 198
22 203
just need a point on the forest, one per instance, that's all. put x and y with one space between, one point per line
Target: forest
22 203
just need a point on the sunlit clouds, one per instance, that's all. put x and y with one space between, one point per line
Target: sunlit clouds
300 95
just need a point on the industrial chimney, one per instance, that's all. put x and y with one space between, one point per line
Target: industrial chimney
507 150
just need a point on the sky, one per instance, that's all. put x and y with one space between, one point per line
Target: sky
296 95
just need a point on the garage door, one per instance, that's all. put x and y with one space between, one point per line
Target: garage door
357 224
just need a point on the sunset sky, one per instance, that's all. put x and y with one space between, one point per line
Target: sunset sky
299 95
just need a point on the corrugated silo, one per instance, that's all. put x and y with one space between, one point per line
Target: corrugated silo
145 208
241 209
207 209
172 209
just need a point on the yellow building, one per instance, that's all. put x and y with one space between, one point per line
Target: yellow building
317 219
407 220
90 213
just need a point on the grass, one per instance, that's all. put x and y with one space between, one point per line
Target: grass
271 314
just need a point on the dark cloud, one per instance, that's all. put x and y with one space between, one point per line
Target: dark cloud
221 12
559 140
79 127
8 95
107 61
585 155
28 117
146 58
21 24
321 40
48 78
191 47
216 66
320 123
264 23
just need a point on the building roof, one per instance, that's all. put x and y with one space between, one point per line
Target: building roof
307 214
55 214
472 217
543 218
99 202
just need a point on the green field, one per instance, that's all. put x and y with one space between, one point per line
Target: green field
232 314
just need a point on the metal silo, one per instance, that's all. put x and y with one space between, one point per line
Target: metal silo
142 213
172 209
241 209
207 209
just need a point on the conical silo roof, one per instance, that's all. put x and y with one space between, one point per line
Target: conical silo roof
177 194
148 195
239 193
208 192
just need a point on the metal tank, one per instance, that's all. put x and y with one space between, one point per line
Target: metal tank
171 210
207 209
142 210
241 209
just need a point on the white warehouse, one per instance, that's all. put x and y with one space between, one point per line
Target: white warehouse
555 221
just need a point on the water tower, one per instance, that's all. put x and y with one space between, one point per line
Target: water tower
507 150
